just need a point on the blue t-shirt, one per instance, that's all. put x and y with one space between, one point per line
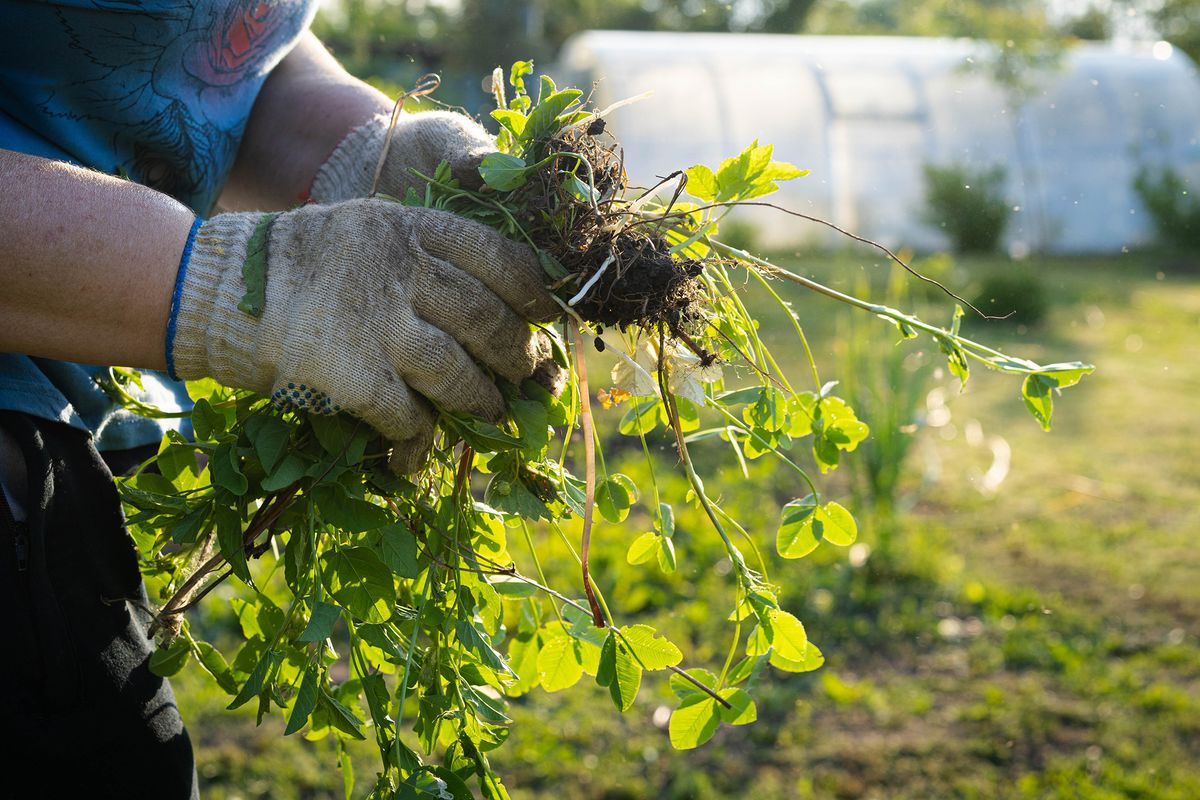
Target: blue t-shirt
157 91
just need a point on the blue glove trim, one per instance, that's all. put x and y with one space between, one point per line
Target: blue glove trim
183 264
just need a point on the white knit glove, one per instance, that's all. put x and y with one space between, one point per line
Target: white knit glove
370 307
420 142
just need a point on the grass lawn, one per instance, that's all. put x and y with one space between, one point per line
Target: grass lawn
1042 640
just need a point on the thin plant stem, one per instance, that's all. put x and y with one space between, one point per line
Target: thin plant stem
589 456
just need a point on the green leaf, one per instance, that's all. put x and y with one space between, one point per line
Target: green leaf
375 689
360 582
666 555
543 119
836 427
513 121
340 435
956 320
508 493
434 783
532 418
802 409
254 268
825 452
737 397
626 675
838 525
768 412
805 524
1067 374
398 547
227 472
177 463
522 659
702 183
470 637
742 712
694 722
254 684
501 171
286 472
258 619
320 623
783 171
652 650
486 707
546 87
615 496
1036 391
269 435
383 637
846 434
516 75
666 520
166 661
580 190
484 437
733 174
230 540
956 358
214 663
560 662
788 636
348 513
796 537
298 562
682 687
642 417
167 502
813 659
207 422
340 716
643 548
305 702
606 670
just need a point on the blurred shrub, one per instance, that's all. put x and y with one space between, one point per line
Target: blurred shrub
1176 213
967 204
1016 291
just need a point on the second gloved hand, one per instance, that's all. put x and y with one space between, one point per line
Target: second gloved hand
420 142
370 307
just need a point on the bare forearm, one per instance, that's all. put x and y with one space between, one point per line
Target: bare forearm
87 263
306 107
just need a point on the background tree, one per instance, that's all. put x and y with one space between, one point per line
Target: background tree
1178 21
402 38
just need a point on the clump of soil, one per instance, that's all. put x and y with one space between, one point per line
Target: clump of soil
642 284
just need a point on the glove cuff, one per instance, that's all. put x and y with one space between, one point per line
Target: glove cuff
349 170
212 336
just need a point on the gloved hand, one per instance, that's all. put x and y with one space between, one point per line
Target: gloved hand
370 307
421 141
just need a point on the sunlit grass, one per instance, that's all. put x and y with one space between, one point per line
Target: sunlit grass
1038 641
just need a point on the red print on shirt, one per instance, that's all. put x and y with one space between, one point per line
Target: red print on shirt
240 41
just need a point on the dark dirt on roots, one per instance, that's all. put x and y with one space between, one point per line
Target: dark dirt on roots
642 284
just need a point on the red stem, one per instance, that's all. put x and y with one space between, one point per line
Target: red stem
589 456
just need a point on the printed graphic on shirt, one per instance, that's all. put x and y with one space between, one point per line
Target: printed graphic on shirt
169 90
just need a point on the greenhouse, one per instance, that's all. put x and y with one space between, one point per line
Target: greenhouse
866 114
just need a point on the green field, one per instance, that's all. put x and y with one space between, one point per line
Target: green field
1036 639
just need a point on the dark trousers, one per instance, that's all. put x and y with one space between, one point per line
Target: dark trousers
81 715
